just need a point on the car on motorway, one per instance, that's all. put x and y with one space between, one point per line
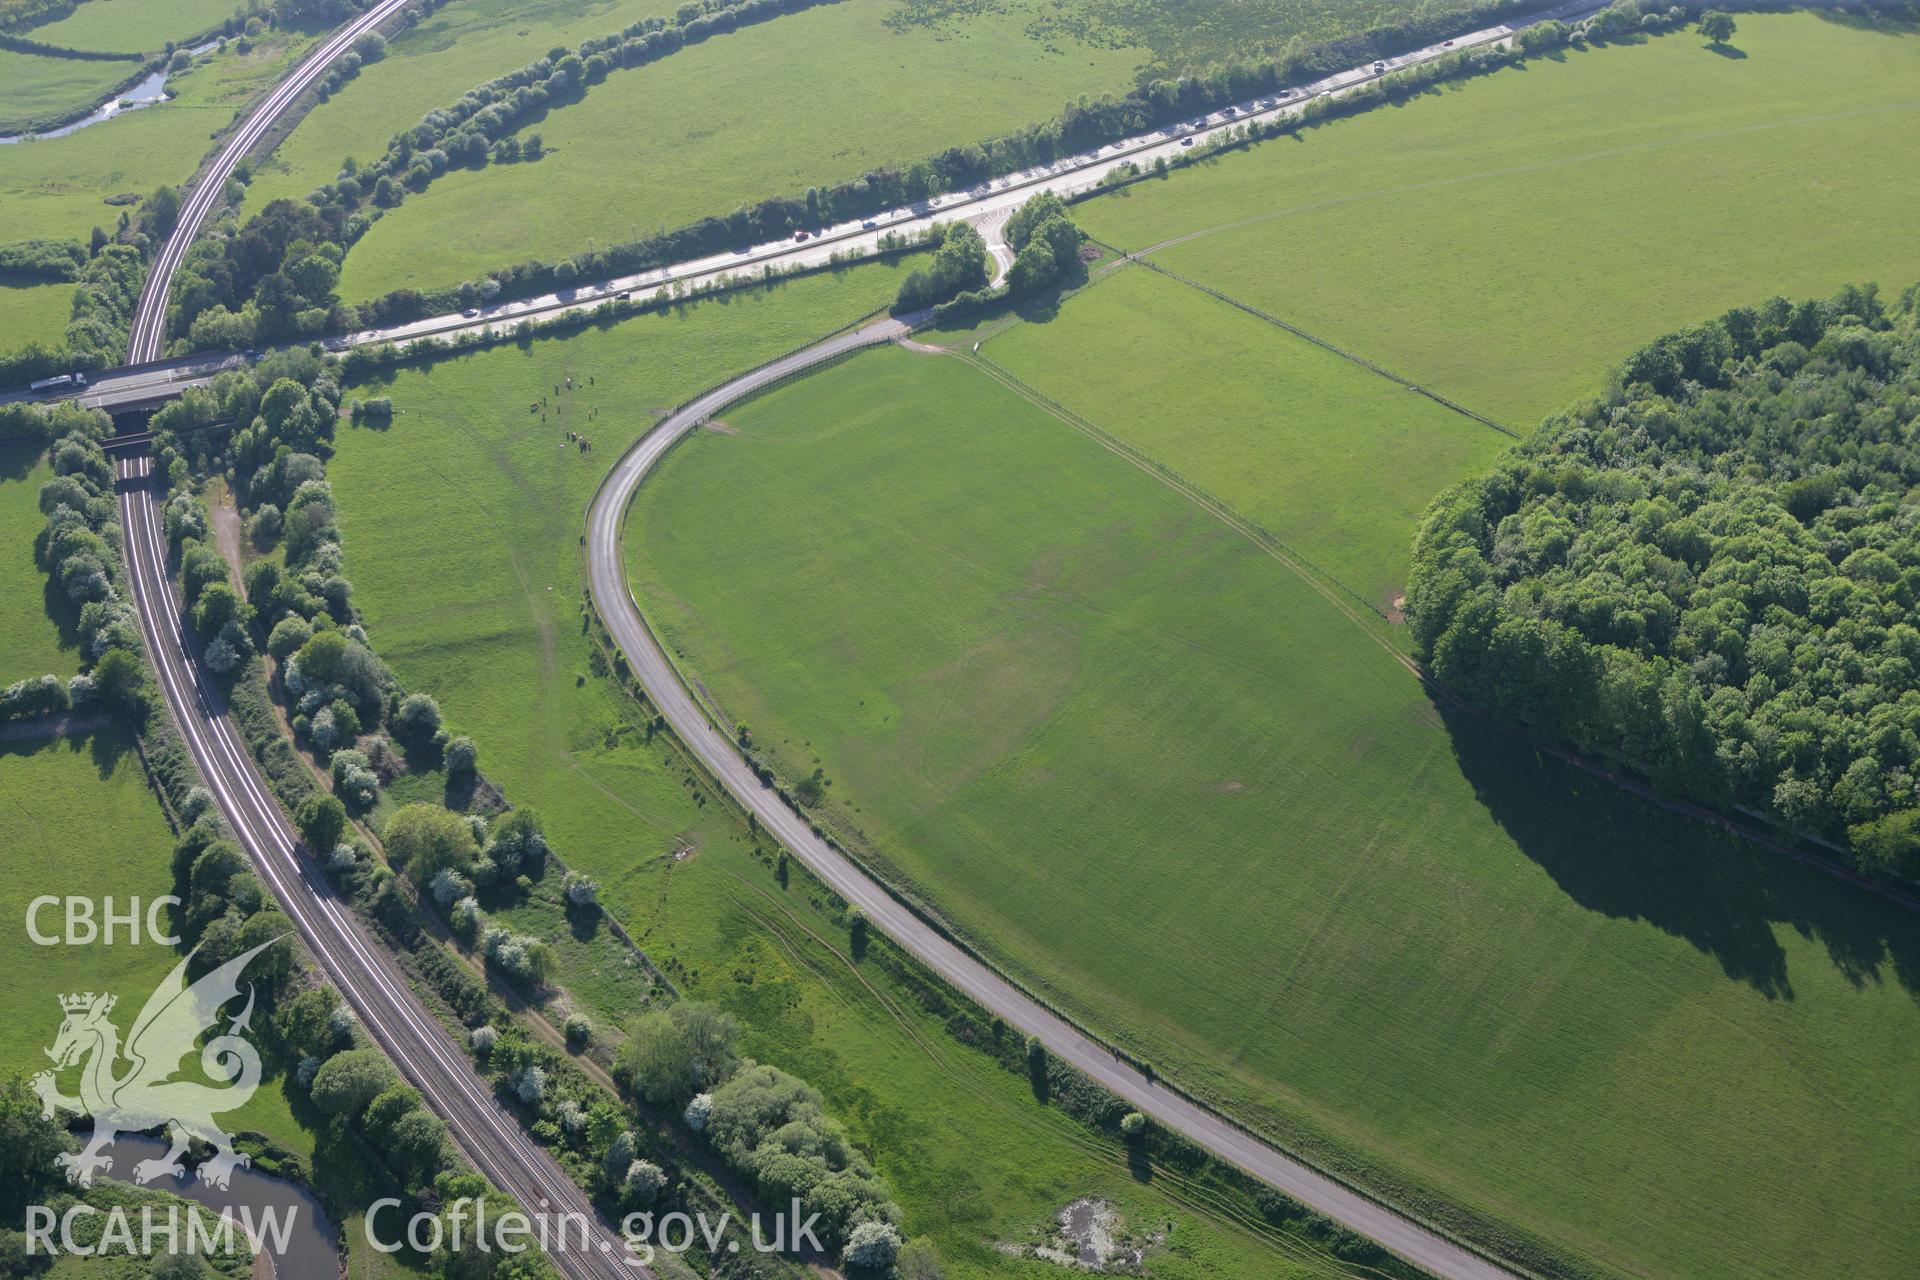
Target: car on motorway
868 225
469 312
623 295
1379 66
250 355
803 235
1186 142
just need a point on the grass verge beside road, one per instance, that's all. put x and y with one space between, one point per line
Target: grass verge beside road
471 490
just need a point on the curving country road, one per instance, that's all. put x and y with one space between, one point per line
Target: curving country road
606 573
363 971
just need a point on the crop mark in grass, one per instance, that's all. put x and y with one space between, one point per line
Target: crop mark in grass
1507 171
537 612
662 828
46 846
1314 576
1364 362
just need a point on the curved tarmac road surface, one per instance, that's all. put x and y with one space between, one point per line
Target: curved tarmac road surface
611 596
358 965
369 977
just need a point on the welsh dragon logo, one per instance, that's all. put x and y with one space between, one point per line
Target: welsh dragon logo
143 1095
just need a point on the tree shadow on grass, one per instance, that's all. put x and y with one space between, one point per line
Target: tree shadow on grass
60 608
1729 52
106 746
18 459
584 925
1866 20
1618 853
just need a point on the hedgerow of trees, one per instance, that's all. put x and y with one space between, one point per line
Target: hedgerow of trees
770 1127
481 128
80 550
1709 575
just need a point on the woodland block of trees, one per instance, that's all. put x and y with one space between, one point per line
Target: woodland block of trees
1709 574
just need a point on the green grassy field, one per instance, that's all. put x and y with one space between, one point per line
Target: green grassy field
30 638
499 641
462 523
33 88
1507 240
1176 35
1333 459
30 312
1160 776
75 817
57 187
134 26
464 45
426 66
725 122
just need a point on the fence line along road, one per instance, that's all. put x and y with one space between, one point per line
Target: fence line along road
1423 1245
365 973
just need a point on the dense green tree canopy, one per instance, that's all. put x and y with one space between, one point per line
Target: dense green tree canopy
1709 574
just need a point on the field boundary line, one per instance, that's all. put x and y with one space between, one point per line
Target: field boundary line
921 910
1218 507
1763 836
1373 366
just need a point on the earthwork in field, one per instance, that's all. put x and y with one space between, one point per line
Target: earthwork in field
1077 615
476 475
1157 773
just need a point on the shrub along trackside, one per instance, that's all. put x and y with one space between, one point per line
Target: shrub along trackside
362 1102
1709 574
80 550
110 274
341 697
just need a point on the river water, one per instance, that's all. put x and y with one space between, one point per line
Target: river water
149 92
310 1253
